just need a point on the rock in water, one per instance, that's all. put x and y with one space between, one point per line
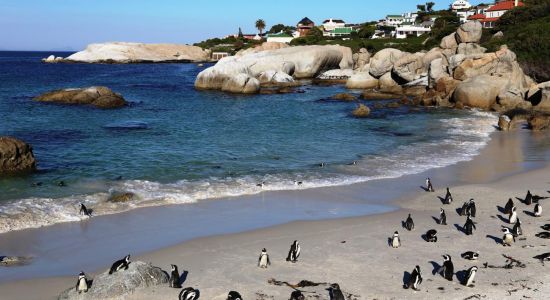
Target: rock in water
15 156
362 80
139 275
98 96
361 111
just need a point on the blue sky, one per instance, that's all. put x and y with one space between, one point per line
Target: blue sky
72 24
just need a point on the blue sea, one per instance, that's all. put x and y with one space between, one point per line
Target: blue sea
176 145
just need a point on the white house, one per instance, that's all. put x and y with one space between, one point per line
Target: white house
465 14
280 37
331 24
408 30
460 5
409 17
394 20
493 13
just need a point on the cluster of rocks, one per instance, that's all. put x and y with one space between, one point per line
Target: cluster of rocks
98 96
52 59
16 156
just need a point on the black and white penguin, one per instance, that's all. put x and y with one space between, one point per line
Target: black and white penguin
447 270
234 296
61 183
82 283
335 293
297 295
174 277
508 237
546 227
543 257
415 280
543 235
409 224
431 235
189 293
395 240
120 264
261 184
516 230
471 210
297 182
513 217
84 210
442 217
429 185
470 277
322 165
528 198
469 226
294 252
464 209
508 206
538 210
448 197
263 261
470 255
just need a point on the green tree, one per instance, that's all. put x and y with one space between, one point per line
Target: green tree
281 27
429 6
366 31
421 7
260 25
240 33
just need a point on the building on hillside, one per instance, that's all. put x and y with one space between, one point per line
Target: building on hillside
460 5
219 55
493 13
409 17
252 36
280 37
403 32
304 26
331 24
393 20
339 32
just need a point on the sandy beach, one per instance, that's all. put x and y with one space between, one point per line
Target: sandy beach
354 251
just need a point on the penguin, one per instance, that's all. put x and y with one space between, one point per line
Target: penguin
543 235
543 257
61 184
470 255
429 186
513 217
442 217
448 197
415 280
85 211
234 296
174 277
82 283
469 226
464 209
447 270
516 230
538 210
120 264
335 293
508 206
263 261
508 238
189 293
546 227
471 210
322 165
409 224
297 182
470 277
261 184
297 295
395 241
528 198
294 252
431 235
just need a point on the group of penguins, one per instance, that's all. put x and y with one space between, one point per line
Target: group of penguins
469 210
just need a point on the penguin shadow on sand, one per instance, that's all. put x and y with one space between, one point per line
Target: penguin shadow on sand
460 228
494 238
462 276
503 218
522 200
436 267
529 213
406 279
501 209
459 211
424 188
441 199
183 277
436 220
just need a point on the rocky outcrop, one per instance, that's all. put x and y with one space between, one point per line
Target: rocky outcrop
387 82
469 32
98 96
344 97
361 59
449 42
470 49
362 80
382 62
16 156
14 261
122 52
275 78
52 59
263 47
410 67
362 111
119 284
337 74
480 91
438 69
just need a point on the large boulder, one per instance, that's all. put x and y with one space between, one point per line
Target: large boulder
469 32
382 62
386 81
122 52
512 98
432 55
410 67
362 80
241 84
438 69
98 96
480 91
263 47
119 284
470 49
539 97
360 59
275 78
15 156
449 42
336 74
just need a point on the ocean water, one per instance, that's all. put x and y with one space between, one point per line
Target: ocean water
176 145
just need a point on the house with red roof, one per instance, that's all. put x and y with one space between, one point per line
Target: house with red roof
493 13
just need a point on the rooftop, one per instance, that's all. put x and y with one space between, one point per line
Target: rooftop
476 17
344 30
280 34
507 5
394 16
334 21
305 21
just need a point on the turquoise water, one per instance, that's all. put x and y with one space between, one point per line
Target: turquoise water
174 144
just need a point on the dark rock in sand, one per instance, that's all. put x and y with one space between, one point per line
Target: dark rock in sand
15 156
138 276
121 197
98 96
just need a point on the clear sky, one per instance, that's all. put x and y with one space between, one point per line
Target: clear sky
72 24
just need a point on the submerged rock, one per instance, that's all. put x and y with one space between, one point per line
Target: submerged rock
361 111
15 156
121 197
344 97
98 96
13 261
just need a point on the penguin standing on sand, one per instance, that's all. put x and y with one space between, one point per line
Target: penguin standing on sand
294 252
409 224
431 236
174 277
470 277
447 270
471 210
538 210
470 255
189 294
513 217
528 198
415 280
120 264
82 283
469 226
263 261
516 230
234 296
508 206
429 186
508 238
297 295
464 209
396 241
448 197
442 217
84 210
335 293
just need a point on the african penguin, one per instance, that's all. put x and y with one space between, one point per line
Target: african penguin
84 210
543 257
335 293
263 261
442 217
448 197
528 198
447 270
471 210
322 165
261 184
516 230
294 252
415 279
409 224
297 295
513 217
543 235
297 182
546 227
469 226
120 264
508 237
395 241
431 235
470 277
464 209
508 206
189 293
174 277
429 185
538 210
470 255
234 296
82 283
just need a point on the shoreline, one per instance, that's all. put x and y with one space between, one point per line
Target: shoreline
484 168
